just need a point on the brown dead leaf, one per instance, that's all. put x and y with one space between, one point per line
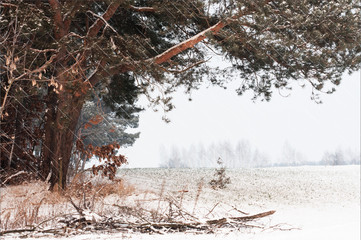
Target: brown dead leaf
96 119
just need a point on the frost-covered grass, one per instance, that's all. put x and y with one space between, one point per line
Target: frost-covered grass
271 187
310 202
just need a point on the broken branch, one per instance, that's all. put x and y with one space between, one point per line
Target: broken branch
142 9
252 217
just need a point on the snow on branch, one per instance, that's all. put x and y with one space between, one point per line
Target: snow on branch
142 9
99 23
189 43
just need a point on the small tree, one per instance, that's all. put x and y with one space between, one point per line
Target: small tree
221 180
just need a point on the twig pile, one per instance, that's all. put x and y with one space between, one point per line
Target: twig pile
139 220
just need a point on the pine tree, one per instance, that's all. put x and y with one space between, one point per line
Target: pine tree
59 51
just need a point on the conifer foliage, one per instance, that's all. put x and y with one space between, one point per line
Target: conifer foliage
220 180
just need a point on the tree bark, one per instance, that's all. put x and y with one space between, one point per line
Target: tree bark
62 136
13 139
64 106
48 142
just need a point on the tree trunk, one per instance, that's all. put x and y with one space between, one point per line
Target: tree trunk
62 117
48 141
17 120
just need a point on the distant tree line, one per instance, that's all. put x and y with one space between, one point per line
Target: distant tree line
341 157
240 155
244 155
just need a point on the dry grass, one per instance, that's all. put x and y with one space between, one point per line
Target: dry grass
28 204
97 185
108 204
21 205
117 188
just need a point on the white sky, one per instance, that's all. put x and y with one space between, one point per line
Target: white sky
216 115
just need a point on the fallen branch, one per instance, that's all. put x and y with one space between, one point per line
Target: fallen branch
17 231
239 219
181 210
75 224
212 209
217 221
252 217
239 210
12 176
282 227
78 209
175 226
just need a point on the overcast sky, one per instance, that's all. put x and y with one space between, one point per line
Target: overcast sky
217 115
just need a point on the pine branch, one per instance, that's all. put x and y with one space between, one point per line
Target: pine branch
99 23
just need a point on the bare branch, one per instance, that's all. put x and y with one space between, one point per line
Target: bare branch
17 231
40 69
252 217
189 43
239 210
8 5
212 209
99 23
12 80
102 18
43 50
12 176
142 9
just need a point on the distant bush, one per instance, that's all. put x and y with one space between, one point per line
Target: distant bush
221 180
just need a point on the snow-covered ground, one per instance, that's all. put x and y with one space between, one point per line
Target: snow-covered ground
310 202
314 202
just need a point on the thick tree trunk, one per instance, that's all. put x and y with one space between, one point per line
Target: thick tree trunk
48 142
61 119
14 139
67 116
64 107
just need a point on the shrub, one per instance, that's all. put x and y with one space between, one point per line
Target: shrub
221 180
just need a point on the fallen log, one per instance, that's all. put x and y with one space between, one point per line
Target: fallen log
239 219
17 231
252 217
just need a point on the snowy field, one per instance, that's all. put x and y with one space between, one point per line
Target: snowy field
314 202
310 202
